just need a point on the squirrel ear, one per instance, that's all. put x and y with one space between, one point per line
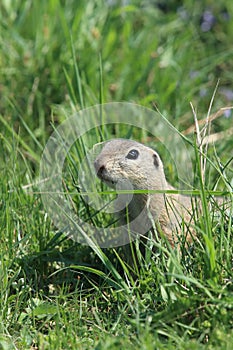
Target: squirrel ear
156 160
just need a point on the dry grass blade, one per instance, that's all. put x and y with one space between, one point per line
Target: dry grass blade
212 117
217 136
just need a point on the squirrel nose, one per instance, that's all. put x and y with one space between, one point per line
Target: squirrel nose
99 168
100 171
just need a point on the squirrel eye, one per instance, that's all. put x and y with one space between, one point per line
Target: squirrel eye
133 154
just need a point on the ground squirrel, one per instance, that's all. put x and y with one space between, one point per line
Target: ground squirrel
127 164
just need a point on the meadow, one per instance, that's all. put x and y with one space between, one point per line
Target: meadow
58 58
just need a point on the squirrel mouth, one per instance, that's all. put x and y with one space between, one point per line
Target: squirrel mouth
105 177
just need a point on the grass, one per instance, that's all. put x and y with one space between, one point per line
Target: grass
57 58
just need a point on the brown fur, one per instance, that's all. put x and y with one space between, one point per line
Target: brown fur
115 167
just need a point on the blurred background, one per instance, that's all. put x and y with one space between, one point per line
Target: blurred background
58 56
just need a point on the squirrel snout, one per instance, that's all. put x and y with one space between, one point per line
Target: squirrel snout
99 168
100 171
